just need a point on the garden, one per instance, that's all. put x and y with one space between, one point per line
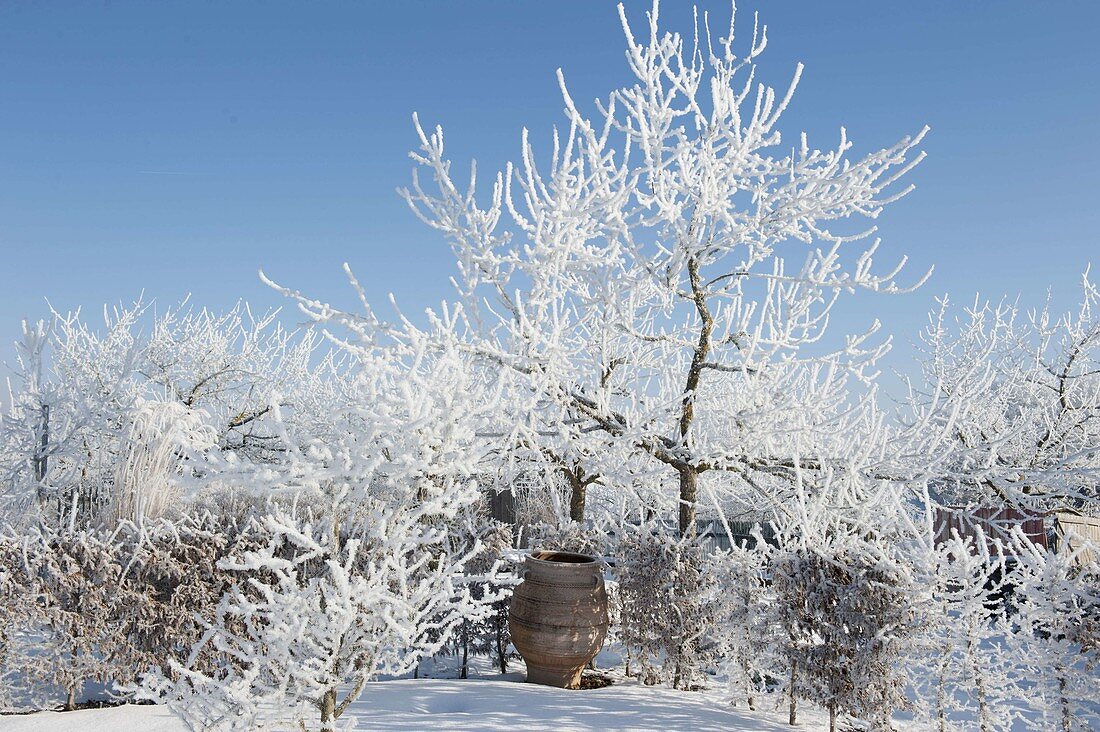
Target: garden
629 477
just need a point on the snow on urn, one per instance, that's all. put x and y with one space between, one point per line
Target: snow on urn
558 616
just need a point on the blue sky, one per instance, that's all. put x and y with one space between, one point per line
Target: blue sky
177 147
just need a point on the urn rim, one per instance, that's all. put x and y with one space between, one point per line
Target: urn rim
561 558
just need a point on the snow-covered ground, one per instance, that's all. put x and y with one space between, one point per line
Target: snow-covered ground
487 701
491 703
129 718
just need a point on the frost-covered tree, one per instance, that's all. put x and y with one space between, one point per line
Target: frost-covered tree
488 635
1010 405
102 420
963 669
318 611
61 419
744 636
358 577
662 279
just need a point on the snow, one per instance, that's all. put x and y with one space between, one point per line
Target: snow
128 718
506 703
495 703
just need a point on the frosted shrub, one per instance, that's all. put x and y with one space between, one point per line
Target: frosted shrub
160 438
84 604
14 615
844 618
667 605
65 596
174 585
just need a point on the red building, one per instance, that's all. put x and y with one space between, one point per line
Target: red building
996 524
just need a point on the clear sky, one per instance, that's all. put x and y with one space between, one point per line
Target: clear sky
177 147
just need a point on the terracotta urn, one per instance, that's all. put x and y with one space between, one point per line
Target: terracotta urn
558 616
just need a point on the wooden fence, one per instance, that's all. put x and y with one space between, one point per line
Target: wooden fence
1072 532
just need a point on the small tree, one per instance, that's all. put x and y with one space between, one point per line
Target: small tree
489 634
320 609
966 668
743 634
359 576
1051 634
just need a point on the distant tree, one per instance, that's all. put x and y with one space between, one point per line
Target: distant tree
1011 406
102 423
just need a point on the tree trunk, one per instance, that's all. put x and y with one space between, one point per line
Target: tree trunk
983 706
328 710
70 699
791 720
689 475
577 496
832 718
1066 716
41 460
979 682
689 491
328 701
464 673
748 686
941 692
502 647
